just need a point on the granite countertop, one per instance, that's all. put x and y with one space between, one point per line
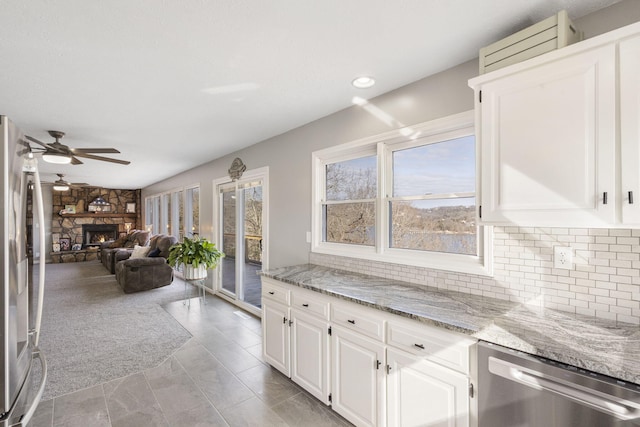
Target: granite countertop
605 347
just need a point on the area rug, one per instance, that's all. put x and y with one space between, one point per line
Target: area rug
92 332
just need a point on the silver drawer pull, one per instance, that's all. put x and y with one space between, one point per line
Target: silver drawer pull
353 322
420 346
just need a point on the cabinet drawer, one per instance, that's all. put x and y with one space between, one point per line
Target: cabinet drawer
357 320
443 347
275 292
312 304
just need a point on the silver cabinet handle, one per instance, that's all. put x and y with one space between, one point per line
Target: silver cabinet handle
604 198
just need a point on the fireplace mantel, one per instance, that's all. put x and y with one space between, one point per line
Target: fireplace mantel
98 215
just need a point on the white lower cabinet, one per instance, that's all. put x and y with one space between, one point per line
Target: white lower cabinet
372 367
358 379
310 354
422 393
275 335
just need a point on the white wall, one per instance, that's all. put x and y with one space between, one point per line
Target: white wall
289 159
289 156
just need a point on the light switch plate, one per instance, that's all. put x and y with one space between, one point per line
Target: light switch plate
308 237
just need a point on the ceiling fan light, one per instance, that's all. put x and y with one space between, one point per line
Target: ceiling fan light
58 158
60 187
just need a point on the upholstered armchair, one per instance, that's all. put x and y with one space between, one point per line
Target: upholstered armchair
147 272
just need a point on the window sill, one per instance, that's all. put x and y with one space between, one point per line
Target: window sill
437 261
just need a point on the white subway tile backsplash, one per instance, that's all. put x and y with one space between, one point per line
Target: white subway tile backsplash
620 232
604 281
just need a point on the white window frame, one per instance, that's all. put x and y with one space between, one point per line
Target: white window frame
189 228
261 174
454 126
156 220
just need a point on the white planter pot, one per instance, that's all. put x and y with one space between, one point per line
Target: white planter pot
192 273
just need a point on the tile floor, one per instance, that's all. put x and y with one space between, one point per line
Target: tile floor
216 379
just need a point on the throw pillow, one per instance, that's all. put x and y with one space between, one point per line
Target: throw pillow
140 251
154 253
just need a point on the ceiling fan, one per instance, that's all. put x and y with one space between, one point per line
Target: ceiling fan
62 185
56 152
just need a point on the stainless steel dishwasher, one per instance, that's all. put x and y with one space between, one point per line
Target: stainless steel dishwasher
517 389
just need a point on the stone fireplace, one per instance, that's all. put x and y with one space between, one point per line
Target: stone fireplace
94 234
74 222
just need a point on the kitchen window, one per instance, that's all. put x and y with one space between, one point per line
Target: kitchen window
349 206
407 197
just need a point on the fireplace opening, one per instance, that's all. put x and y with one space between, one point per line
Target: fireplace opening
94 234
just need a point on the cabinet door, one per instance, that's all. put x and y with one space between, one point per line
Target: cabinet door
358 380
275 335
630 129
310 354
548 143
422 393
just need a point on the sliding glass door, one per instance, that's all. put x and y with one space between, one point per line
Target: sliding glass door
242 239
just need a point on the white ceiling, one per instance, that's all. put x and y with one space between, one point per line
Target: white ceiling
174 84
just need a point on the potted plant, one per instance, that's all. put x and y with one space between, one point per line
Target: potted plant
197 255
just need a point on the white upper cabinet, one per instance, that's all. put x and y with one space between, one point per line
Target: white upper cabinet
558 136
548 142
630 129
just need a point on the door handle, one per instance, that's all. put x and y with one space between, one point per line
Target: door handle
612 405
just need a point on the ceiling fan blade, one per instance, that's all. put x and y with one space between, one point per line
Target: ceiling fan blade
104 159
75 161
79 184
23 152
27 148
32 139
94 150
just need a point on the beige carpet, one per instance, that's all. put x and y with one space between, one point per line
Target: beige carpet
93 332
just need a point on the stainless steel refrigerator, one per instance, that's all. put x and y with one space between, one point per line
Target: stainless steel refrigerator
23 366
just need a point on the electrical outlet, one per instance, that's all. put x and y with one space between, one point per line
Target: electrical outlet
308 237
563 257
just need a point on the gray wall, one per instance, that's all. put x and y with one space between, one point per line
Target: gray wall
288 156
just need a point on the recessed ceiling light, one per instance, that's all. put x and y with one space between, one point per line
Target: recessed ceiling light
363 82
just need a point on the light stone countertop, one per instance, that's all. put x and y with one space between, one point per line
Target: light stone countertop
605 347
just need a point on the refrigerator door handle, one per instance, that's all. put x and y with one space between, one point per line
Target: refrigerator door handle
41 263
612 405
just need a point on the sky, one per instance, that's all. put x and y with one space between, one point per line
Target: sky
439 168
